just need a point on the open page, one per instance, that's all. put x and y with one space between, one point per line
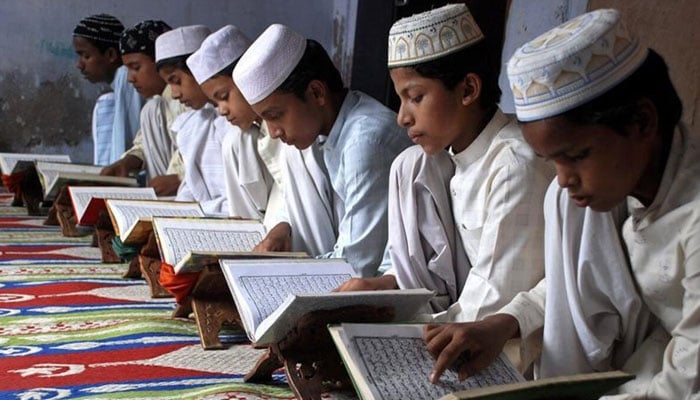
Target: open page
55 175
88 201
391 362
260 286
404 303
125 214
196 260
11 163
176 237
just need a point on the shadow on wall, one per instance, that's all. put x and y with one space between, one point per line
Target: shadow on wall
47 117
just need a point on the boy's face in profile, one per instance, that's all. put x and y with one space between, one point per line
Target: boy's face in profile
95 65
143 74
229 101
598 166
184 87
295 121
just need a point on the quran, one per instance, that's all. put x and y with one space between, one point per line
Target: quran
132 219
190 243
271 295
12 163
88 201
53 176
391 362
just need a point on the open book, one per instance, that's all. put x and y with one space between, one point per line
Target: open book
272 295
12 163
132 219
54 176
88 201
187 243
391 361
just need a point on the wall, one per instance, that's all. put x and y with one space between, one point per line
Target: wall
45 105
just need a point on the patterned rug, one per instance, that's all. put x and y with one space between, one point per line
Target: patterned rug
72 328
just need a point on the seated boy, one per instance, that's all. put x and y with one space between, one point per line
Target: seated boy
115 118
199 134
344 142
465 205
607 115
154 147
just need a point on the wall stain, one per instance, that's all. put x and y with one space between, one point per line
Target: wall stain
58 49
44 116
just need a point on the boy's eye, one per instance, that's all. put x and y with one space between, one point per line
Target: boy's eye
417 99
578 156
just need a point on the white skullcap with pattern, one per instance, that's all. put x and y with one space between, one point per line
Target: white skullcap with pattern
180 41
268 62
572 64
217 52
431 35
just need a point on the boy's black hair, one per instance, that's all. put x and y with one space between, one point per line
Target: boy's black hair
228 70
177 62
452 68
103 46
619 106
315 64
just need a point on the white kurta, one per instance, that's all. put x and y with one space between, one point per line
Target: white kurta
155 142
497 193
199 139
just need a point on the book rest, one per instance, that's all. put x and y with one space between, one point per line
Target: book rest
149 267
63 207
27 191
105 234
309 357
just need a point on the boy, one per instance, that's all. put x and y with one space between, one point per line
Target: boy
465 214
154 147
605 112
199 134
115 117
337 177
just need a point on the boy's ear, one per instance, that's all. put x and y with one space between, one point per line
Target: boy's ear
646 120
318 92
113 55
471 88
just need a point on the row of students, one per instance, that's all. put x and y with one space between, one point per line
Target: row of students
463 212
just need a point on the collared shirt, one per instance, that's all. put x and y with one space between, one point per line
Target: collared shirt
358 153
497 193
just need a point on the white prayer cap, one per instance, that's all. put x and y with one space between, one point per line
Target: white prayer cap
268 62
181 41
572 64
431 35
217 52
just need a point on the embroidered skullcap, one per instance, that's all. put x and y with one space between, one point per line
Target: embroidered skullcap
101 28
572 64
431 35
268 62
142 37
181 41
217 52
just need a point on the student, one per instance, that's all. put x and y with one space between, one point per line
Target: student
198 131
605 112
250 154
343 144
154 149
465 204
251 191
115 118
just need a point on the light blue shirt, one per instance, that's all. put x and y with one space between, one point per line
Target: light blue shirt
127 108
358 153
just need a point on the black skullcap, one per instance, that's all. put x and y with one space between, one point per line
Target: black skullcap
101 28
142 37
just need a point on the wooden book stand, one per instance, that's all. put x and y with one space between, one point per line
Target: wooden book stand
105 233
311 362
65 215
149 267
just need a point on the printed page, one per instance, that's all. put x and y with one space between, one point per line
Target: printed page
260 286
8 161
81 195
178 237
125 213
394 363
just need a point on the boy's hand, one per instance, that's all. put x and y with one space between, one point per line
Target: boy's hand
385 282
165 185
480 341
278 238
123 167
